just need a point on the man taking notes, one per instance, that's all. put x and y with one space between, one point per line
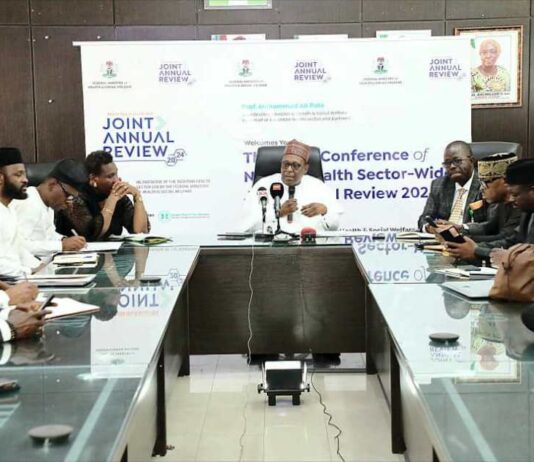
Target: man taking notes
451 195
306 201
35 214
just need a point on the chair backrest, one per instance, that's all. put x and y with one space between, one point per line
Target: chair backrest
269 158
483 149
38 172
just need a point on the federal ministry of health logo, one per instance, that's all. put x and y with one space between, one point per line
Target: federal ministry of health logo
109 70
245 68
381 65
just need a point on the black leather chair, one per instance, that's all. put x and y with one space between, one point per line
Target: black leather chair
269 158
482 149
38 172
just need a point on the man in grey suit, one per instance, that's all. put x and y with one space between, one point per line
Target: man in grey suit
450 196
520 179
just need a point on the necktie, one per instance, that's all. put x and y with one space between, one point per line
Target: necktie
457 212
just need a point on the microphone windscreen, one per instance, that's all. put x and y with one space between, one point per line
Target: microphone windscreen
308 231
262 192
527 316
277 190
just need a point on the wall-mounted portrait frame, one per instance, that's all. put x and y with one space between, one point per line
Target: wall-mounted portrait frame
497 54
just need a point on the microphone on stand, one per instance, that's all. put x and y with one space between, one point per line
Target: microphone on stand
291 196
277 191
262 197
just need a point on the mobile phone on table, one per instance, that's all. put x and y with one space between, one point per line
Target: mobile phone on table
452 235
430 221
150 279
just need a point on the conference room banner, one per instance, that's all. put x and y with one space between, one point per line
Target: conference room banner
183 121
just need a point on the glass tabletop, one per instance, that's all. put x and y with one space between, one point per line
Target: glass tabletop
477 392
393 262
126 267
85 372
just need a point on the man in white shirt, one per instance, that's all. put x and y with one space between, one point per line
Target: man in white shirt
35 214
18 316
306 201
15 259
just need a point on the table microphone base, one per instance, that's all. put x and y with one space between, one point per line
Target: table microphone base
263 237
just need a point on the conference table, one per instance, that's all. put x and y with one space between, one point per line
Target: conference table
108 375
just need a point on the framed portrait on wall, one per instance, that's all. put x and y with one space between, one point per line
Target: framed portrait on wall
495 65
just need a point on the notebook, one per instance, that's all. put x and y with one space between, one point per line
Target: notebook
68 307
60 280
471 289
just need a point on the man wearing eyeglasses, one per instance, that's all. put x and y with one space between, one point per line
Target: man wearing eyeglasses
313 203
452 197
35 214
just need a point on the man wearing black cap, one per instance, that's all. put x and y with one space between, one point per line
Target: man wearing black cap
15 259
520 179
35 214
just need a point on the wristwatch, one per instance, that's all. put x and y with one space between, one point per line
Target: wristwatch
13 331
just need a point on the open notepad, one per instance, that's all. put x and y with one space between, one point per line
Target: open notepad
60 280
414 236
462 273
76 259
68 307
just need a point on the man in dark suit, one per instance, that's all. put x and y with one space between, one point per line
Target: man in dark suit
451 195
503 215
520 179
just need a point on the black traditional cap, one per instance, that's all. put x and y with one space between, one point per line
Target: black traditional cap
10 156
521 172
71 172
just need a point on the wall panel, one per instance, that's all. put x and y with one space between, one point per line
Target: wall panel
72 12
319 11
58 89
16 97
155 12
155 33
403 10
14 12
502 124
484 9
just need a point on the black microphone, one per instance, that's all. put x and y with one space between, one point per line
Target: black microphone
291 196
277 191
527 316
262 196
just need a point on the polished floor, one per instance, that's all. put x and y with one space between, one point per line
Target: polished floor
208 411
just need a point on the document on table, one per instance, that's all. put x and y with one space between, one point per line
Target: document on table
63 307
104 246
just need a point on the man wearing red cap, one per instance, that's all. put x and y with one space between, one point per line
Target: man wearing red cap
15 258
313 203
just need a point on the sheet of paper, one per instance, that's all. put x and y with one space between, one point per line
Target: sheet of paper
69 307
105 246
